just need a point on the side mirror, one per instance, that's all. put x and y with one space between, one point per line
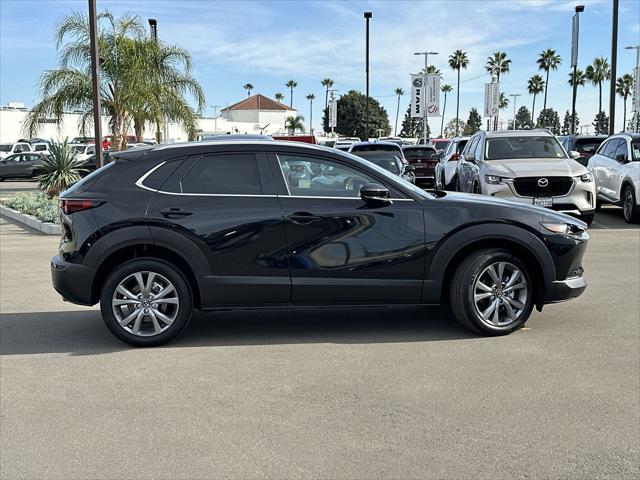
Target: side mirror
373 192
574 155
621 157
436 156
469 157
409 168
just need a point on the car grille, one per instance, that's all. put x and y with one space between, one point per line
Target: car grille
530 186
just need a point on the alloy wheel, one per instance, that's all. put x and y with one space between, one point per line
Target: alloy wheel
145 303
627 205
500 294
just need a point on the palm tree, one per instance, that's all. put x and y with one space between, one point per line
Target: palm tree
279 97
291 84
503 102
548 60
327 83
457 61
399 92
294 123
597 73
495 65
311 97
534 87
248 87
581 78
624 85
432 69
141 79
446 88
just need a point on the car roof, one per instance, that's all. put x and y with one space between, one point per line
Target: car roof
416 147
536 132
380 142
631 135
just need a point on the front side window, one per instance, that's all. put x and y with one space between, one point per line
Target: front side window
635 148
522 148
609 148
621 150
224 174
317 177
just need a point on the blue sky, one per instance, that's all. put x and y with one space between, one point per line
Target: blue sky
267 43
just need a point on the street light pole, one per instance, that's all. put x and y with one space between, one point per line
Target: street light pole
614 64
367 16
636 86
515 97
95 82
425 123
574 60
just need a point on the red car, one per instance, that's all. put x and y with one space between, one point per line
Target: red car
424 159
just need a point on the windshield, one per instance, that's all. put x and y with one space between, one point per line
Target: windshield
441 144
5 148
588 146
635 148
523 147
385 160
376 147
410 153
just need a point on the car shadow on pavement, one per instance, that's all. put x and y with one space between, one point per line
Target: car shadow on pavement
84 333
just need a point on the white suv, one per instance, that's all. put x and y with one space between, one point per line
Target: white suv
7 149
616 168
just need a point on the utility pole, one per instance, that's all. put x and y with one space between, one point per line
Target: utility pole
215 116
367 16
424 86
515 97
95 82
614 64
574 63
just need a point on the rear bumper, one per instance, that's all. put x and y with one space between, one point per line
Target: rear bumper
72 281
427 181
562 290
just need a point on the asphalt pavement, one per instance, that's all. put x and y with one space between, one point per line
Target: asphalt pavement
399 392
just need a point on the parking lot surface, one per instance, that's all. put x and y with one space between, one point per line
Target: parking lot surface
399 392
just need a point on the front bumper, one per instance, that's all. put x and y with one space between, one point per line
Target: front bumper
562 290
72 281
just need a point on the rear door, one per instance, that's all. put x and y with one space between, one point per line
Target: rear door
342 249
225 203
607 166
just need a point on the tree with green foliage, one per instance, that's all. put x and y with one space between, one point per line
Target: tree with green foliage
60 169
248 87
624 87
294 123
474 122
141 79
523 119
457 61
549 118
327 83
279 97
399 93
534 87
566 123
597 73
291 84
412 127
446 89
453 127
351 120
601 124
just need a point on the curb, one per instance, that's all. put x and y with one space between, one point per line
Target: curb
30 221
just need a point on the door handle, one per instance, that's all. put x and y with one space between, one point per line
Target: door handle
174 213
303 218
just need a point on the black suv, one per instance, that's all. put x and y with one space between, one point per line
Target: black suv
162 230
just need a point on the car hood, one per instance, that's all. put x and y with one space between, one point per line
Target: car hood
535 167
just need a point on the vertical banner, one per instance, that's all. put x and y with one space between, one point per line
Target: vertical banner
417 96
333 113
574 40
433 95
491 99
636 90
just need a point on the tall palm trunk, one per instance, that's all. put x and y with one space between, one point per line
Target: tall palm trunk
395 130
624 116
458 105
599 97
533 110
138 127
495 120
326 98
546 89
291 98
311 117
444 109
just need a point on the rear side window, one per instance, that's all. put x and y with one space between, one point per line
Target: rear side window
236 174
157 177
609 148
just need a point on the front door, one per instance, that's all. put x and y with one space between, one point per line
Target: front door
342 249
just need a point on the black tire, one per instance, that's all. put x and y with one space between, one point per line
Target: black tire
598 205
182 292
462 292
630 210
476 189
588 219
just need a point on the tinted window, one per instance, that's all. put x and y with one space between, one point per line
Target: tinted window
621 150
91 150
157 178
587 146
441 144
419 152
376 148
635 148
523 147
5 148
224 174
469 147
388 161
39 148
609 148
315 177
460 146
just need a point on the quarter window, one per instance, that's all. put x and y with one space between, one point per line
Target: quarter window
227 174
315 177
621 150
609 148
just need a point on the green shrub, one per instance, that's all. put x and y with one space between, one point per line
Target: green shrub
39 205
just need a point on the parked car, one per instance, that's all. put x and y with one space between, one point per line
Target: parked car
160 232
441 144
84 151
7 149
328 143
21 165
445 169
585 145
527 166
41 147
616 168
83 140
344 143
391 162
424 159
107 140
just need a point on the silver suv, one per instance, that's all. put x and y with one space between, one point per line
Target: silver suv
527 166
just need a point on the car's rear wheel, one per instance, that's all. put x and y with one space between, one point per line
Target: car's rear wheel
588 219
598 205
492 292
146 302
629 207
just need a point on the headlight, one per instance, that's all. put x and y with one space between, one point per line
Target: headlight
493 179
587 177
563 228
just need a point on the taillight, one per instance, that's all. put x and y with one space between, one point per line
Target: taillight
71 206
455 156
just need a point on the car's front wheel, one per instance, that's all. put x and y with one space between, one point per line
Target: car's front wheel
588 219
629 207
492 292
146 302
